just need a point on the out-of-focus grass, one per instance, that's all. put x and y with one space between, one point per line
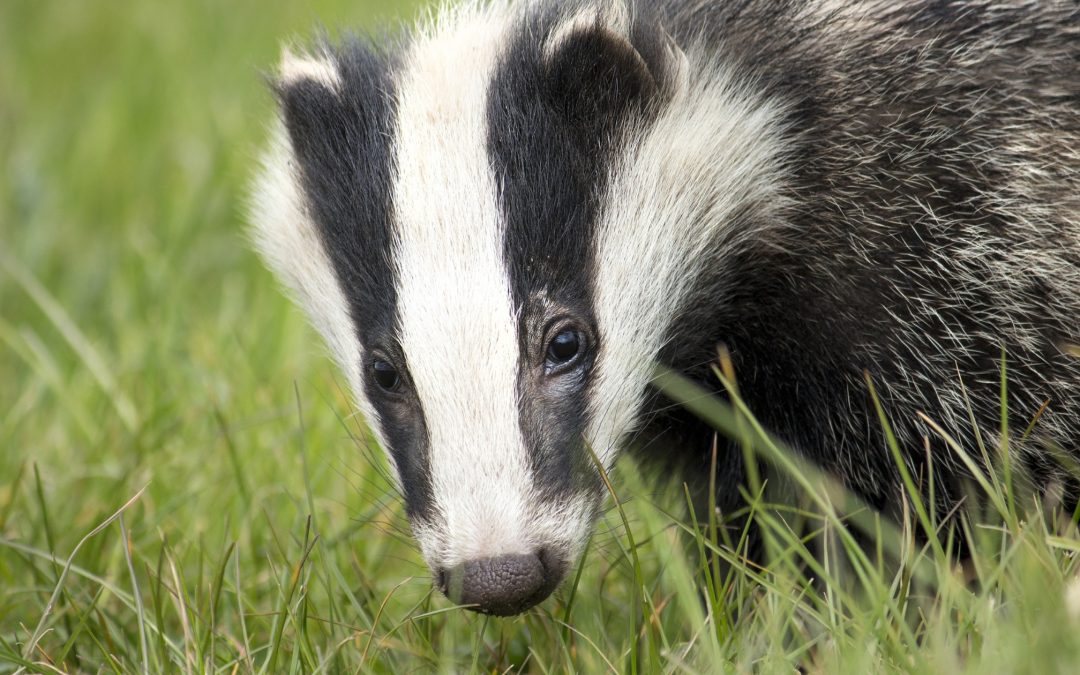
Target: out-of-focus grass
143 348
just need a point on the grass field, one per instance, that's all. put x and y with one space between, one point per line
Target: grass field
183 487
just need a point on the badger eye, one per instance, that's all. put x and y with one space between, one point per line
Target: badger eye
386 375
563 348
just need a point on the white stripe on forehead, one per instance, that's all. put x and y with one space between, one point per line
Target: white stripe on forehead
458 326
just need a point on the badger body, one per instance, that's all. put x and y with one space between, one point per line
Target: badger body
501 221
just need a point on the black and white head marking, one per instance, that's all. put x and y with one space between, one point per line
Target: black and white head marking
499 225
474 221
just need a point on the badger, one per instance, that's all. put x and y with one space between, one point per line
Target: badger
503 220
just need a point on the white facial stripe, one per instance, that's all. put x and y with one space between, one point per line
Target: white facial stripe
458 326
289 242
662 223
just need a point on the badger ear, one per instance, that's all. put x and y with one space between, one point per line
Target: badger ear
308 89
604 63
319 69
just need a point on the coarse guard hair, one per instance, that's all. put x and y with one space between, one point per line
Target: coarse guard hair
502 220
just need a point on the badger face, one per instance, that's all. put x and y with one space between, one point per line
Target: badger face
475 223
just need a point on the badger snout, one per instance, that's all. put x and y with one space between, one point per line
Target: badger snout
503 585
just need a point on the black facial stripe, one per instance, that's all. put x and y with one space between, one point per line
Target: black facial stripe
546 189
343 144
550 142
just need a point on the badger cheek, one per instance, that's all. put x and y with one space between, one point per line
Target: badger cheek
430 543
566 525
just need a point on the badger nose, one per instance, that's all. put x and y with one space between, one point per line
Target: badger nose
504 585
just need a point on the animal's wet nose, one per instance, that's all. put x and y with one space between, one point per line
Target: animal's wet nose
503 585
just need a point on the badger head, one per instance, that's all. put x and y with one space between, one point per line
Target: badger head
492 225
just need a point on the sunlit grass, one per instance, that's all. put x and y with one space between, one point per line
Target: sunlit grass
185 488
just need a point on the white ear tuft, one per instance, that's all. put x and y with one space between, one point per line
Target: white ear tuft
608 32
611 16
296 67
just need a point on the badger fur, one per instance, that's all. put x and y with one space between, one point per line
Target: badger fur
501 221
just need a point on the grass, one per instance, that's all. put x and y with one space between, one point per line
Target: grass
184 488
